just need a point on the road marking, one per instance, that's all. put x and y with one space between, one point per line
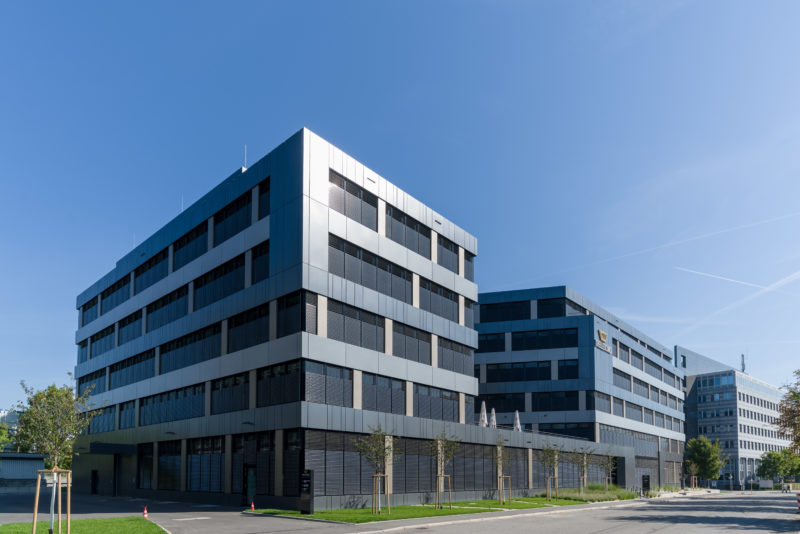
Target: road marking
191 518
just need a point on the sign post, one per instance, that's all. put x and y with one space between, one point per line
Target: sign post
307 492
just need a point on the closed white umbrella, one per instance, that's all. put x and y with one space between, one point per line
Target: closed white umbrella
517 426
493 420
483 421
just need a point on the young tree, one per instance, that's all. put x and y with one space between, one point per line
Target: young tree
607 464
692 469
549 458
707 456
50 422
581 457
789 418
502 461
377 448
444 449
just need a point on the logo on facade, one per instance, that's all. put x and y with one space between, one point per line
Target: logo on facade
602 335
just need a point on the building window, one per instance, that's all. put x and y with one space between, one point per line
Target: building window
144 458
366 269
560 338
103 341
505 311
260 267
297 312
263 198
130 327
633 411
455 357
89 312
652 369
169 465
469 313
567 369
641 388
516 372
411 343
175 405
133 369
619 409
637 360
233 218
168 308
83 351
546 308
447 254
151 271
502 402
622 380
352 201
435 403
596 400
383 394
354 326
230 394
116 294
190 349
219 283
255 450
205 464
491 342
278 384
93 382
408 232
191 246
248 328
103 421
127 415
438 300
469 266
327 384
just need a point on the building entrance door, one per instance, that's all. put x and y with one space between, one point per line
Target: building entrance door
249 483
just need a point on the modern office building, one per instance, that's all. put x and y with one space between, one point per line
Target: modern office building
572 368
728 405
299 304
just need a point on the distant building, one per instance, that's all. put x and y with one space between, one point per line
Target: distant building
733 407
18 472
572 368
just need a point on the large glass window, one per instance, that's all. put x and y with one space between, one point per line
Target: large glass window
455 357
491 342
263 198
133 369
230 394
103 341
637 360
248 328
435 403
297 312
633 411
260 270
205 464
278 384
116 294
89 312
355 326
469 266
103 421
364 268
502 402
168 308
151 271
190 349
560 338
127 415
641 388
516 372
652 369
233 218
191 246
327 384
551 308
564 401
506 311
447 254
352 200
438 300
383 394
223 281
567 369
622 380
94 382
175 405
83 351
411 343
169 465
130 327
407 231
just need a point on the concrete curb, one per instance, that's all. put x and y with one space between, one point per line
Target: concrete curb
296 518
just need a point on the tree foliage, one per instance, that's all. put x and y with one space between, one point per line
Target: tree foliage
783 464
548 456
5 436
444 449
52 419
376 448
581 457
789 418
706 456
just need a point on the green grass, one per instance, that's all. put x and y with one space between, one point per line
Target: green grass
365 515
513 504
117 525
594 493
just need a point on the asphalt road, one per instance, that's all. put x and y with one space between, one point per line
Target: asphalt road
769 512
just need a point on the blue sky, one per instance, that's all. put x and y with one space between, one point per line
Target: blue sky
643 153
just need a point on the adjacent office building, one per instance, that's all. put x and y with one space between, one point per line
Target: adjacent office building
299 304
571 368
734 408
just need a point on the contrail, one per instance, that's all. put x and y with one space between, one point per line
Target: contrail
763 291
718 277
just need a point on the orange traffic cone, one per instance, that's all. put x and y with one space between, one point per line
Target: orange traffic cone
252 505
145 513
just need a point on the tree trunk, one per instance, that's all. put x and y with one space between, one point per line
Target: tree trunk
52 502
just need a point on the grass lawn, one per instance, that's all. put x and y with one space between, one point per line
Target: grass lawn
513 504
573 496
117 525
365 515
